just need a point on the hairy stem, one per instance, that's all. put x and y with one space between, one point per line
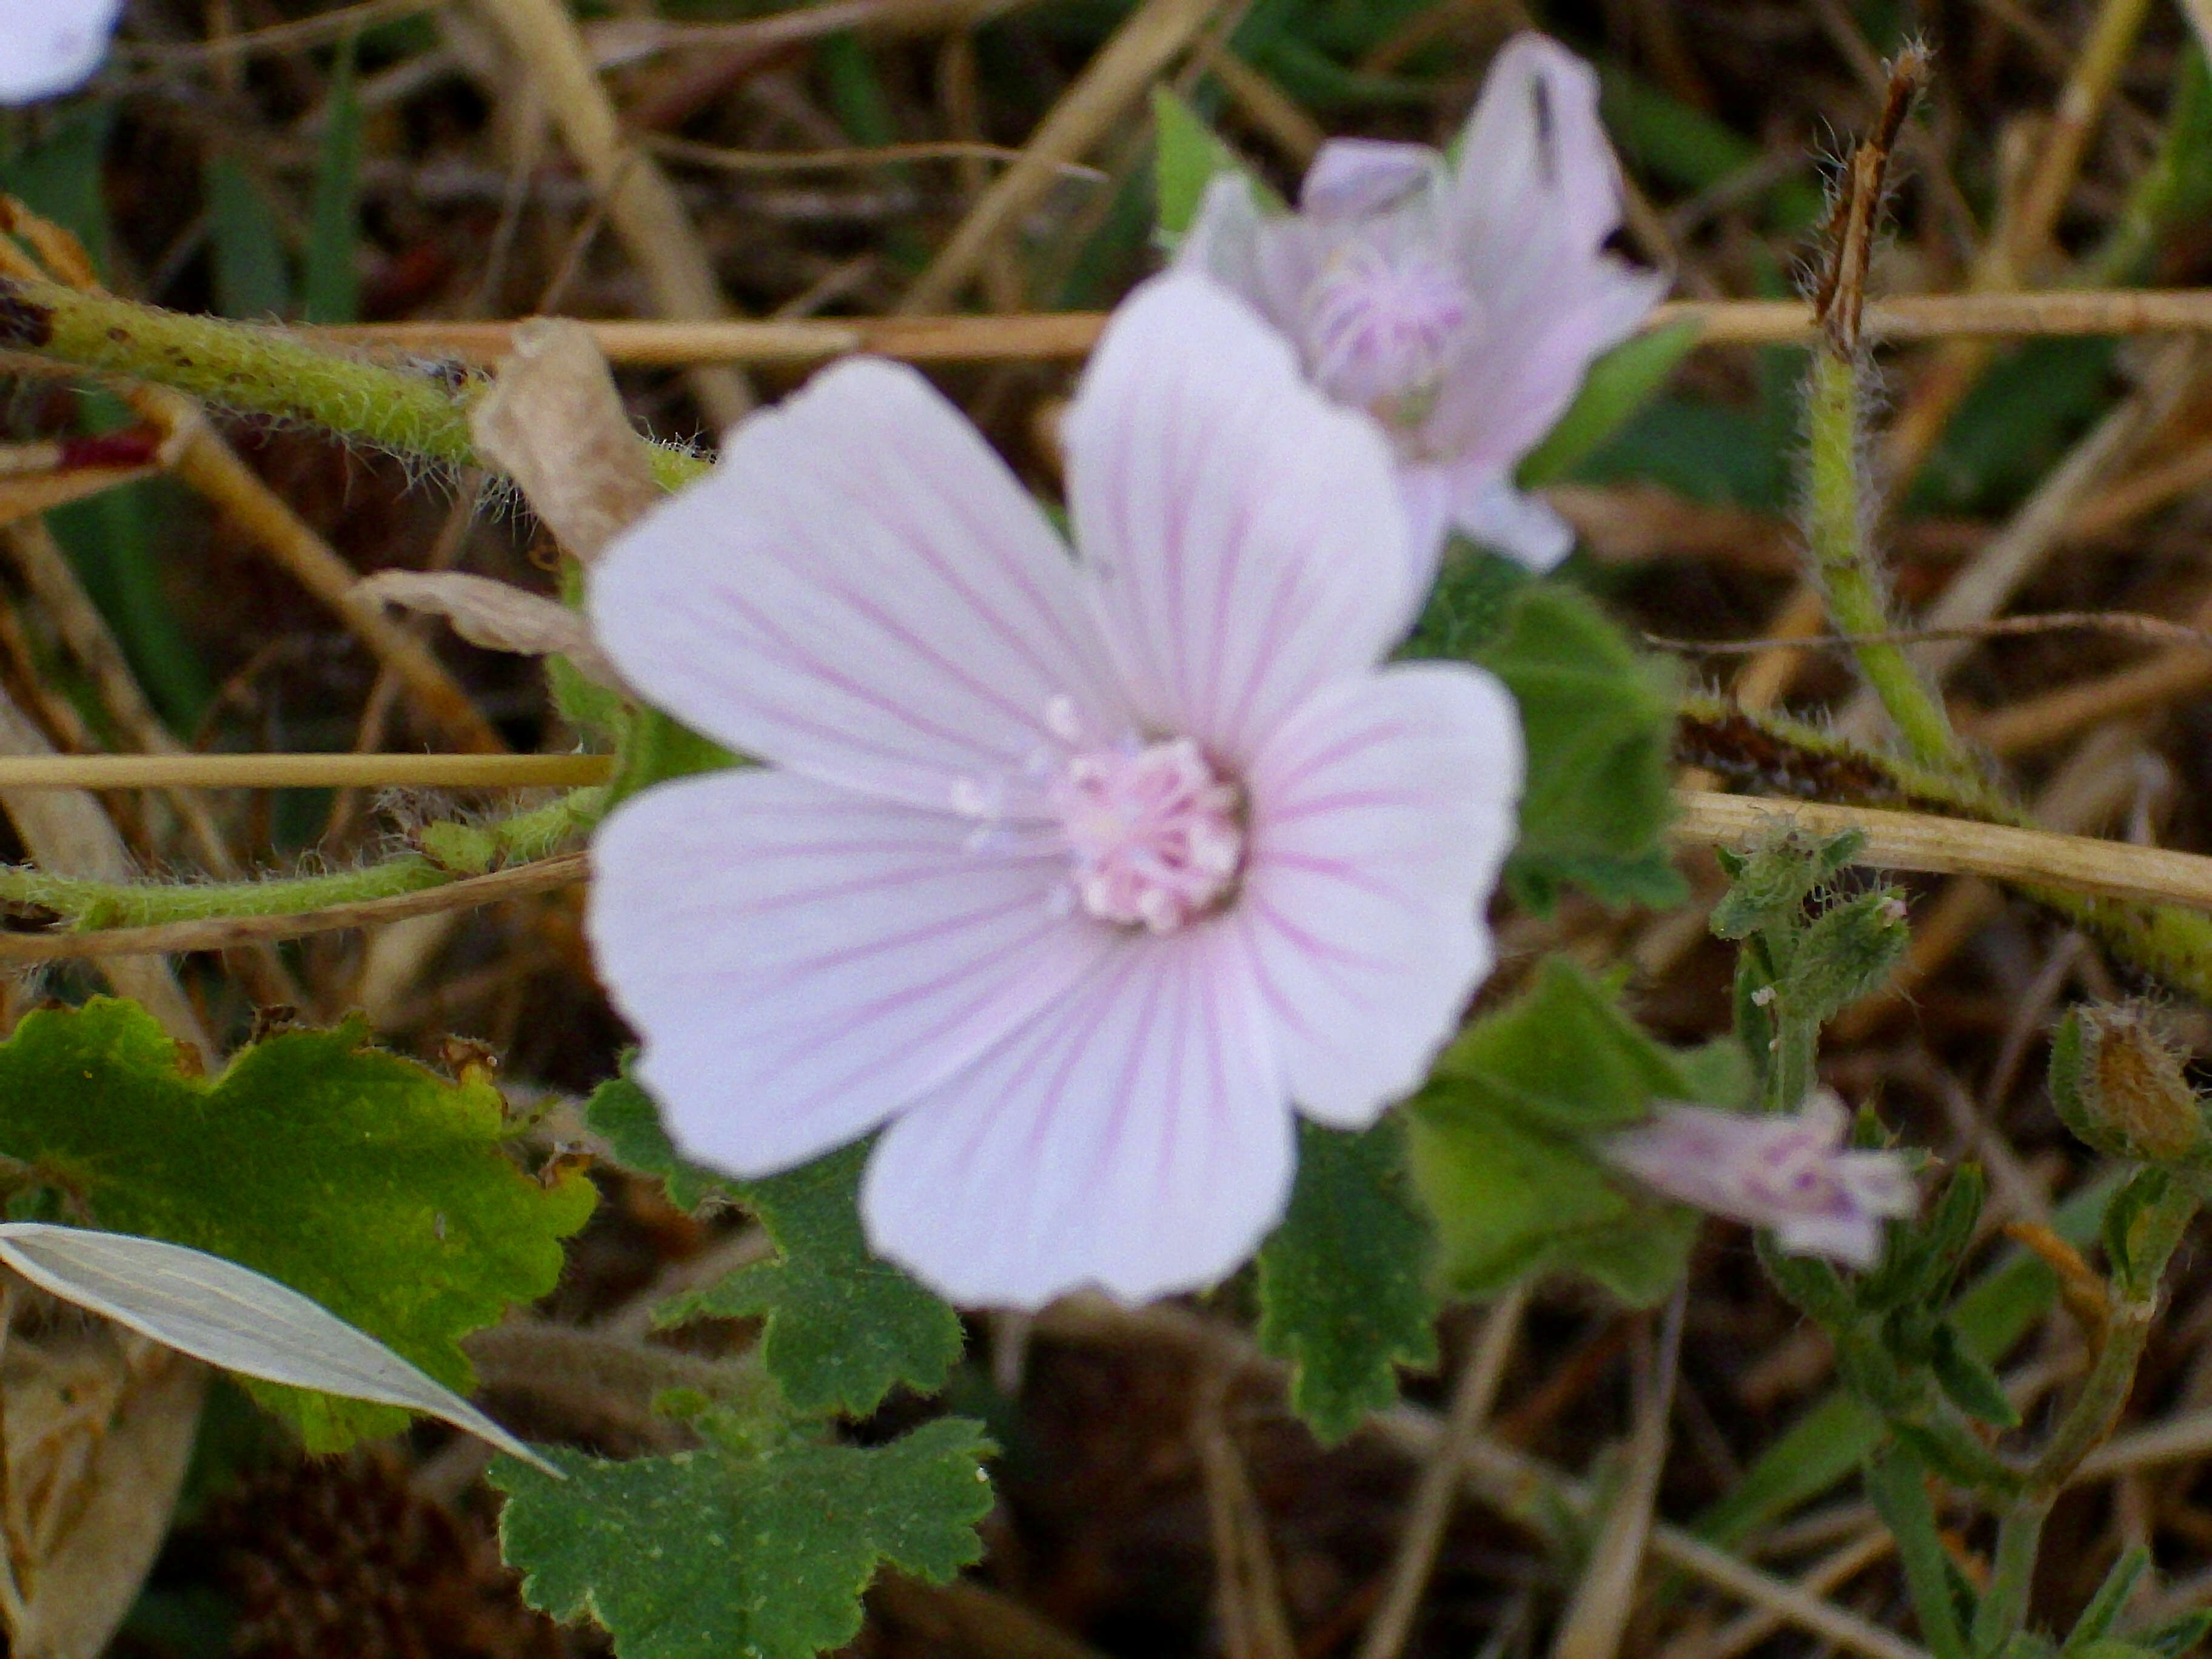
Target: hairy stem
2090 1419
1835 519
420 411
97 904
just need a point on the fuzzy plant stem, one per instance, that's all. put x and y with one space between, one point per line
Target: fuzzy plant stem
455 850
97 904
420 411
1836 520
2154 1236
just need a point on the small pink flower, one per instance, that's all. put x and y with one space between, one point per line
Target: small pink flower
1458 301
1790 1173
1075 872
50 47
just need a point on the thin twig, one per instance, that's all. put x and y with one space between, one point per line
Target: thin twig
1438 1488
222 933
1038 336
1960 847
2129 623
336 771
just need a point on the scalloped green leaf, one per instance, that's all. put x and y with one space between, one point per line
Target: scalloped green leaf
1598 716
1345 1292
369 1184
1500 1141
843 1327
731 1550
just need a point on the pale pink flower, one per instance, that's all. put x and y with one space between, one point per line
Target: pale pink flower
1075 872
1458 301
50 47
1789 1173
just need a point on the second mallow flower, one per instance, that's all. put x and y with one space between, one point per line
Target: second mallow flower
1793 1173
1459 301
52 47
1075 872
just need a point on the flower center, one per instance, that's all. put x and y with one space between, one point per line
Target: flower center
1153 831
1380 325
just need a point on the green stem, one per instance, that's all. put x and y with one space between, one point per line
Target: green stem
421 411
472 848
1835 519
2153 1238
1898 1488
2173 945
94 904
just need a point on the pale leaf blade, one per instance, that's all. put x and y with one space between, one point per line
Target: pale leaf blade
233 1318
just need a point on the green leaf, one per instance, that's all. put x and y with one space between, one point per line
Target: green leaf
1563 1053
2177 1636
332 283
1598 717
1849 951
721 1551
1900 1491
1473 598
1510 1199
843 1327
1829 1440
1344 1290
250 280
1615 389
622 1115
1501 1151
361 1179
2104 1609
1972 1385
1186 155
1769 884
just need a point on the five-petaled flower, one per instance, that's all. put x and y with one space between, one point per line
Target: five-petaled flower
1791 1173
49 46
1075 874
1458 301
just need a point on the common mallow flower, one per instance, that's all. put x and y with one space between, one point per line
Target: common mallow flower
1072 875
50 47
1459 301
1788 1172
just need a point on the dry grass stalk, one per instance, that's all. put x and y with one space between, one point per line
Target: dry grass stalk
640 202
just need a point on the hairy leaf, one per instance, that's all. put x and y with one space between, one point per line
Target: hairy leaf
843 1327
1186 155
1616 387
1598 716
1344 1282
1501 1148
371 1186
761 1552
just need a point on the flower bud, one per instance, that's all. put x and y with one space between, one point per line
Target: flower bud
2119 1087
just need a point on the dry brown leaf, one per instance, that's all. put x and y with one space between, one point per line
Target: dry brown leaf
553 422
497 615
99 1428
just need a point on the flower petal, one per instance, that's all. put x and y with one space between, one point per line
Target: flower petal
1244 537
1135 1137
1535 193
1533 158
50 47
1379 815
860 590
801 961
1351 177
1488 509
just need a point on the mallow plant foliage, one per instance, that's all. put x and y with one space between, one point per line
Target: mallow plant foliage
1011 904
